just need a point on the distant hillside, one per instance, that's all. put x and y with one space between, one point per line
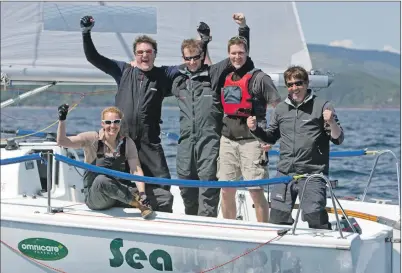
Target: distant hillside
357 55
363 78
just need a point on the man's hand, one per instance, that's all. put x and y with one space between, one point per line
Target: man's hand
252 123
240 19
266 147
328 116
87 23
204 31
63 110
144 200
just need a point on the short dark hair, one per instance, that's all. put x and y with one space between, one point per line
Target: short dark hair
296 72
145 39
192 45
238 40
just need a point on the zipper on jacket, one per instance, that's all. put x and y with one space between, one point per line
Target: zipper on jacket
138 105
294 140
192 103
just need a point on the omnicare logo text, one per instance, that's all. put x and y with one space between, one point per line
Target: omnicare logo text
43 249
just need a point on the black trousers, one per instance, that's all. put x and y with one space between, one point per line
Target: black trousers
107 192
197 160
153 163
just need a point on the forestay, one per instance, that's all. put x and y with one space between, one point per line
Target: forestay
41 41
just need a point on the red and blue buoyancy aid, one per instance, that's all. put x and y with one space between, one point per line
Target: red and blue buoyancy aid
235 96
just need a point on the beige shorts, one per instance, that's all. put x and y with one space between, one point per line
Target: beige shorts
241 159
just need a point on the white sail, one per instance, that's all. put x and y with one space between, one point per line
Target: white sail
41 41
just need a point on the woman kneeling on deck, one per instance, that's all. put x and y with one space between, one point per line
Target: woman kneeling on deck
109 149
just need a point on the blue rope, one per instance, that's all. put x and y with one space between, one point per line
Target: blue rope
28 132
177 182
19 159
32 133
171 136
273 152
347 153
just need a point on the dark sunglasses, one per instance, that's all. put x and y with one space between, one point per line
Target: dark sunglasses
141 52
109 122
298 83
195 58
238 38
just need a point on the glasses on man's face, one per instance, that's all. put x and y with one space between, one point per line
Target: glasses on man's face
109 122
298 83
141 52
239 39
195 58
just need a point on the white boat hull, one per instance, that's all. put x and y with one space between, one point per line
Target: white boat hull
118 240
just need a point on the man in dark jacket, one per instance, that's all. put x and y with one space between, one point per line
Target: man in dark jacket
200 121
305 126
141 90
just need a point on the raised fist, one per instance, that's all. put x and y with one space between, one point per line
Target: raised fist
63 110
204 31
87 23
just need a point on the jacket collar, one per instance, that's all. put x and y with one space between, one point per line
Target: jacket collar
310 95
203 71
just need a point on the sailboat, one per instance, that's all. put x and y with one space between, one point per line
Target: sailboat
45 227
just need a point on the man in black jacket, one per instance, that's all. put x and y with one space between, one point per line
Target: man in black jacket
198 95
305 126
140 93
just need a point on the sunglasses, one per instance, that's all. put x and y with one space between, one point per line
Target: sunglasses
195 58
109 122
298 83
141 52
238 38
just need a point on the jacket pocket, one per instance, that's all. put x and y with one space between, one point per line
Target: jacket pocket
278 192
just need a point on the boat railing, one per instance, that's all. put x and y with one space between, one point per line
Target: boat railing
49 182
333 197
45 157
378 154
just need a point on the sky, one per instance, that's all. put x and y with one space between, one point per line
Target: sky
360 25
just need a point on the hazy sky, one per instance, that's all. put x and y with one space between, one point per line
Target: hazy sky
362 25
